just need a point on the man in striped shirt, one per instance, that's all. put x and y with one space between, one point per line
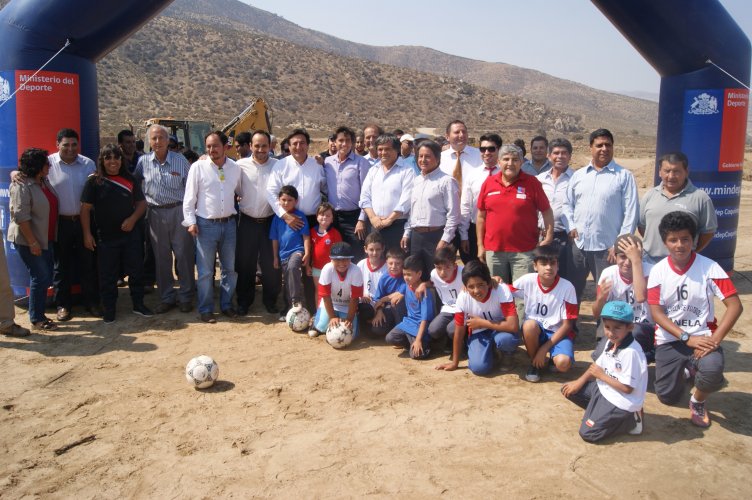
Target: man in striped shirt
164 174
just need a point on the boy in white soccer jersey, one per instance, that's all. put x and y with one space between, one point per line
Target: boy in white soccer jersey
373 267
489 317
340 289
550 311
446 279
627 281
688 337
612 390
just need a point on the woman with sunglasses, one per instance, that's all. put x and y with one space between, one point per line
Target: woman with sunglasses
118 204
33 229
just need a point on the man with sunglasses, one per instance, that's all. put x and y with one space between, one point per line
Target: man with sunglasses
489 153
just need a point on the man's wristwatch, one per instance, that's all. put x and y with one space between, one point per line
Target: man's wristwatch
684 337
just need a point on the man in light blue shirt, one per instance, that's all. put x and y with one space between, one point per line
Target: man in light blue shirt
602 203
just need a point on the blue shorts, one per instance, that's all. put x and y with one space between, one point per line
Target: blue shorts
315 272
321 321
564 346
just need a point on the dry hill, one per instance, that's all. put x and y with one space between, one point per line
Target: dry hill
193 70
598 108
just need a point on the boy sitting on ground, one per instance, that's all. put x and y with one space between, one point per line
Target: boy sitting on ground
412 332
550 310
340 289
373 267
390 291
486 312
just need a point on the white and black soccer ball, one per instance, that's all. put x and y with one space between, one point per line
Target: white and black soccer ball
201 372
339 336
298 319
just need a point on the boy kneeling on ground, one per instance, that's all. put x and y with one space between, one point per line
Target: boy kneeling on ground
612 390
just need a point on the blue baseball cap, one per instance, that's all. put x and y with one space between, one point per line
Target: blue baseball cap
619 311
341 250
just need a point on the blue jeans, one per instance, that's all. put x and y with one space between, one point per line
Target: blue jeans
213 238
40 274
482 345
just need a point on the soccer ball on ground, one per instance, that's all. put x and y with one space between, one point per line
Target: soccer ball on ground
202 371
339 336
298 318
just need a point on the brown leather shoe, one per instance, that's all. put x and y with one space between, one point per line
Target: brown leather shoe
15 330
63 314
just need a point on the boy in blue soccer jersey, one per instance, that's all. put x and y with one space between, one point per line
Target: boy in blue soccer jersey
388 298
412 331
292 248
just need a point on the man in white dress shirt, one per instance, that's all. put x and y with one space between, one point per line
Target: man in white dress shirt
460 161
385 197
209 215
253 243
434 208
307 176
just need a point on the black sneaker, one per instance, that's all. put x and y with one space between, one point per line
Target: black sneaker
142 310
533 374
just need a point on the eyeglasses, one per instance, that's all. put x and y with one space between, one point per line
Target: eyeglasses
490 149
111 157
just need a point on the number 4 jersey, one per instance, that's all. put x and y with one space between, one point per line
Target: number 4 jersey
548 306
340 288
687 294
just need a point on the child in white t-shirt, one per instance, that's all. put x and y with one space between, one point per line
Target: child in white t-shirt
612 390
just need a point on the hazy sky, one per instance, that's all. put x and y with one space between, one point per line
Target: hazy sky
497 31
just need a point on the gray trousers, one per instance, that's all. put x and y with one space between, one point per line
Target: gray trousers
168 237
292 270
602 419
585 263
441 326
670 361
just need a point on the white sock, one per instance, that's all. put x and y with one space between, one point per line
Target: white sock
692 398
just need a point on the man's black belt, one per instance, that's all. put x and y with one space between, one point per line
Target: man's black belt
168 205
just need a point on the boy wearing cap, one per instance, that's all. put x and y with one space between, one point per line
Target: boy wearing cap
612 390
340 289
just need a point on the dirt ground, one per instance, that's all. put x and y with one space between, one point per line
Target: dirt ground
292 417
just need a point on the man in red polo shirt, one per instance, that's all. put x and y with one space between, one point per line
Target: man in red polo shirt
507 223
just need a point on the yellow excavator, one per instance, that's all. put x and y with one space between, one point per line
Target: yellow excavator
256 116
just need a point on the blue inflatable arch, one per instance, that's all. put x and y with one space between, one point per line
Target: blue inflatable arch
693 44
